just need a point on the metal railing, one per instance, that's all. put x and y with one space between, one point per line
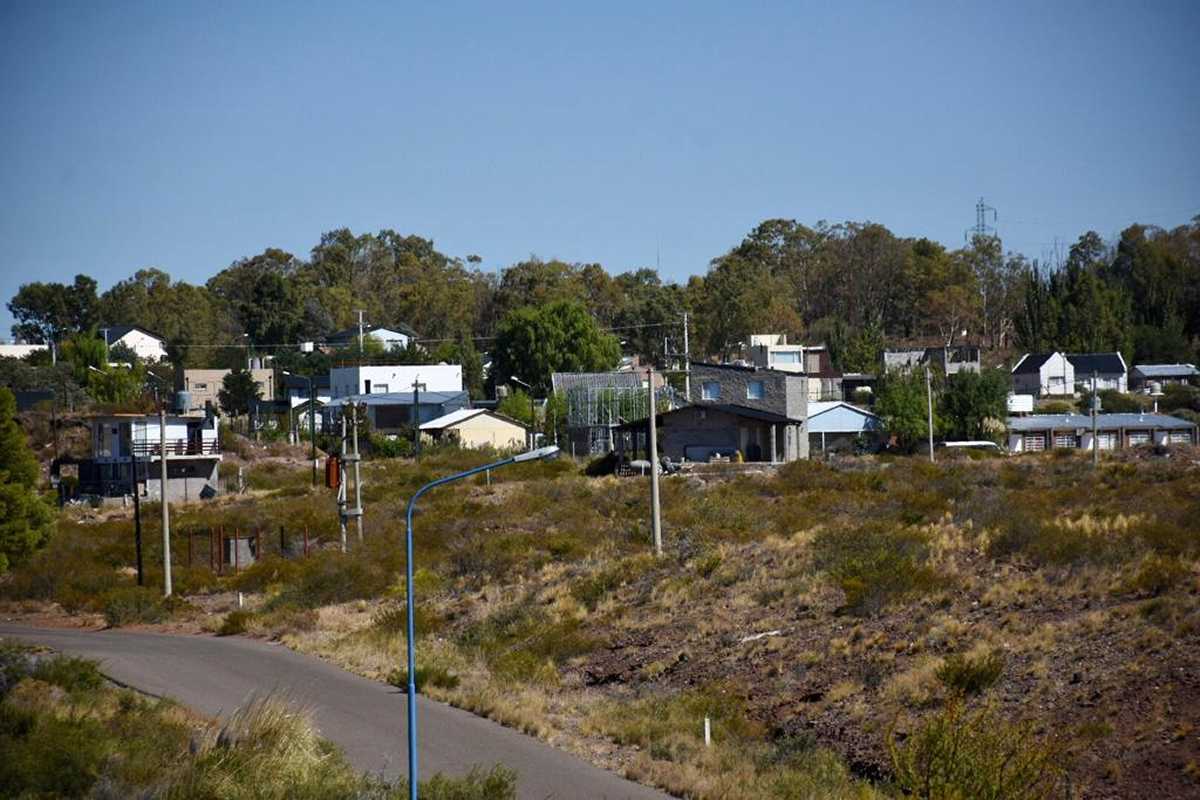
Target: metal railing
176 447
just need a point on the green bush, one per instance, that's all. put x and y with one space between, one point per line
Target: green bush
129 605
875 566
1155 575
426 676
964 675
72 674
498 783
235 623
957 755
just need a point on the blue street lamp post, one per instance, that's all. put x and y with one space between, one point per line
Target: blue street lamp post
531 455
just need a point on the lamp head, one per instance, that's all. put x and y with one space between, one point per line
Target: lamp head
550 451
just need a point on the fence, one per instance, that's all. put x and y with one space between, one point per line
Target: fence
240 548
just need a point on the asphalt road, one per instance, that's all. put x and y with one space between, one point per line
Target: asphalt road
366 718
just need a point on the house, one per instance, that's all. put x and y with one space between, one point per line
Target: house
200 387
1044 375
146 345
599 401
839 426
392 413
296 389
1143 375
772 351
396 337
782 393
1109 369
121 442
477 427
950 359
1038 432
375 379
723 430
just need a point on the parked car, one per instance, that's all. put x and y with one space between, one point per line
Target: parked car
975 444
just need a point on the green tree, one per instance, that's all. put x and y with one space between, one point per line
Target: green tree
974 404
45 312
238 392
533 342
119 385
25 518
901 402
85 352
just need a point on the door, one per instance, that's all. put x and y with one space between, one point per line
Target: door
1065 440
1035 442
1138 438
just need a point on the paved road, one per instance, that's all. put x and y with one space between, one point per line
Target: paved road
366 718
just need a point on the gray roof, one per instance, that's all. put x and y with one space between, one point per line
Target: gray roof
1031 363
1103 363
1105 422
1166 370
567 381
398 399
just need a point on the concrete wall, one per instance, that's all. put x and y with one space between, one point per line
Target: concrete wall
205 384
485 430
347 381
148 348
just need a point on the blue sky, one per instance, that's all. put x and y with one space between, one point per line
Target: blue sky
187 135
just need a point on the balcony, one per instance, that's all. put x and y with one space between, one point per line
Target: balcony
176 447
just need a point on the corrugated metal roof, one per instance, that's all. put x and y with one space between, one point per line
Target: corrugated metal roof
567 381
455 417
1031 362
1105 422
1167 370
1104 363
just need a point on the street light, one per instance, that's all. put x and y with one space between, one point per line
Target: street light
312 422
531 455
532 413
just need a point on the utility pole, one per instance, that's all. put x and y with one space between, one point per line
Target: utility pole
137 512
166 509
687 362
341 498
655 510
929 403
312 428
1095 424
358 510
416 416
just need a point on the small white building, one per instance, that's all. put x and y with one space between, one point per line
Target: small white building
478 427
19 350
397 337
122 441
1108 368
835 425
1044 375
146 345
393 379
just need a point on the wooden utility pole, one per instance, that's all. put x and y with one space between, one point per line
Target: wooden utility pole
166 508
655 510
929 403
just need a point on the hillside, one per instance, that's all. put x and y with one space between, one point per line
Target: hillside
846 627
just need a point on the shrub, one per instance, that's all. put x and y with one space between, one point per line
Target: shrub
235 623
966 675
72 674
875 566
498 783
427 675
959 755
130 605
392 619
1155 575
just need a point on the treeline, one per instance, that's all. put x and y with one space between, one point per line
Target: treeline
854 286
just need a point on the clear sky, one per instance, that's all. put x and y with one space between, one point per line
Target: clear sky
187 135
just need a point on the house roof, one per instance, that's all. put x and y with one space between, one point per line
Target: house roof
114 333
1103 363
301 382
398 399
834 416
1166 370
745 368
1031 363
463 414
1104 422
350 334
568 381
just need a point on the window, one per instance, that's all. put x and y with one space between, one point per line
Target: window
381 388
710 390
754 390
1065 440
200 387
786 357
366 390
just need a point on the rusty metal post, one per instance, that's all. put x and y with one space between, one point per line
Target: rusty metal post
306 541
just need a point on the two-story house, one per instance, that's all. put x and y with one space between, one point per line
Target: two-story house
127 451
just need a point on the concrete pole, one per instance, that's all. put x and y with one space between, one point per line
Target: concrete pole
687 362
1095 426
655 510
166 508
929 402
357 475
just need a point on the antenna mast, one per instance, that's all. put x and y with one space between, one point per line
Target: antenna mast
981 228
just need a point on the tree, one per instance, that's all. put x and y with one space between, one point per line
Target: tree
45 312
238 392
533 342
25 518
974 404
901 402
85 352
118 385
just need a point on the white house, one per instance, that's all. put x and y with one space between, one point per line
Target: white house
122 442
397 337
1109 369
371 379
146 345
19 350
835 425
1044 375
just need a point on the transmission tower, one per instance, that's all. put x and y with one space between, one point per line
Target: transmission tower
981 228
